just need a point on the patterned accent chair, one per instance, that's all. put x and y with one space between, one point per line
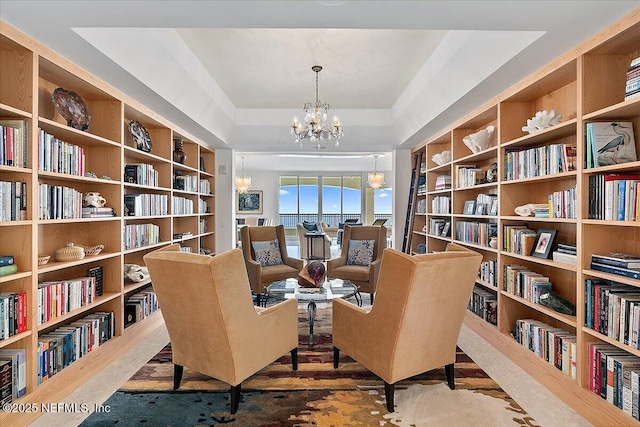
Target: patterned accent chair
265 267
213 326
361 273
414 324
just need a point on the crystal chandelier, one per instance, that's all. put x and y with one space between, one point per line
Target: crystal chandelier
315 127
375 179
243 182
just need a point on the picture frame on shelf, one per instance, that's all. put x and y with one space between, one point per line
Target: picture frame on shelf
480 209
545 240
493 210
250 202
469 207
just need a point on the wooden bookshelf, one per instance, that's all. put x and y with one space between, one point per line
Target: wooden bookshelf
585 84
30 73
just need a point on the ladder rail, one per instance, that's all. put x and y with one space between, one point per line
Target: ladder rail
413 194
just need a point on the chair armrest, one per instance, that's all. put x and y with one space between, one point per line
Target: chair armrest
254 271
274 310
374 269
294 262
335 262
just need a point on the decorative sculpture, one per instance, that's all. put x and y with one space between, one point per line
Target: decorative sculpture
442 158
526 210
93 199
135 273
542 120
312 275
480 140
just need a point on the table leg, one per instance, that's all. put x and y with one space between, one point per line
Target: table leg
311 310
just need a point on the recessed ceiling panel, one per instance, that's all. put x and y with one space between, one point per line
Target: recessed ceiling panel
271 68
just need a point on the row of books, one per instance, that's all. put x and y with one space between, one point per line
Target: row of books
140 306
15 143
488 272
439 227
566 253
59 202
59 156
554 345
140 235
468 176
182 205
146 204
609 143
614 197
203 207
614 375
13 201
483 205
475 232
484 304
422 185
186 182
522 163
63 346
203 225
13 313
617 263
57 298
613 309
13 374
520 281
441 205
205 187
443 182
632 85
142 174
562 204
518 239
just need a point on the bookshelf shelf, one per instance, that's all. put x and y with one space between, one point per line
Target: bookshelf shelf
31 72
584 85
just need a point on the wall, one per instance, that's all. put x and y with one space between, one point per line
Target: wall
225 211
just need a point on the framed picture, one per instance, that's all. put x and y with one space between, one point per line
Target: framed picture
480 209
250 202
469 207
494 207
545 239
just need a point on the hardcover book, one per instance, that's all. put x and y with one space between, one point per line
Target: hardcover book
612 143
618 259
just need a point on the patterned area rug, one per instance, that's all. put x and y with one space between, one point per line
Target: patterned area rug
315 395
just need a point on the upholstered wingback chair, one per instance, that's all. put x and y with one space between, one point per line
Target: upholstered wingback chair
262 275
213 325
366 275
316 244
414 324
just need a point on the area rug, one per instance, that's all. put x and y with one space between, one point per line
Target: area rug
315 395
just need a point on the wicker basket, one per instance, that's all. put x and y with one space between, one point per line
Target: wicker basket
43 259
92 250
70 252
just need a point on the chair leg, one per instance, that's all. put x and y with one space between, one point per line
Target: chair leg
258 299
294 359
371 295
448 370
388 393
336 357
235 397
177 375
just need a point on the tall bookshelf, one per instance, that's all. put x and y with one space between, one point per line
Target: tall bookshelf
585 84
29 73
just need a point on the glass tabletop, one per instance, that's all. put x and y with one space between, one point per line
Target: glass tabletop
331 289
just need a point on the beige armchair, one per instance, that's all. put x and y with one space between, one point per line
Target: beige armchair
365 276
261 276
317 243
213 326
414 324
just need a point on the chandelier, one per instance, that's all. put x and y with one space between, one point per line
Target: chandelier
375 179
315 127
243 182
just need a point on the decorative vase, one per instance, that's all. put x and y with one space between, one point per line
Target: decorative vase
179 155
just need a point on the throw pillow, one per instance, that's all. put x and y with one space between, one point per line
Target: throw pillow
360 252
267 252
310 226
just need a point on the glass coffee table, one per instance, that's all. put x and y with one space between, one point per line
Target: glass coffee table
331 289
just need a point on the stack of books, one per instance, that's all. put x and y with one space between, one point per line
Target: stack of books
632 88
566 253
622 264
443 182
93 212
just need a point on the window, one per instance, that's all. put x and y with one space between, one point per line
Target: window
382 204
304 199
